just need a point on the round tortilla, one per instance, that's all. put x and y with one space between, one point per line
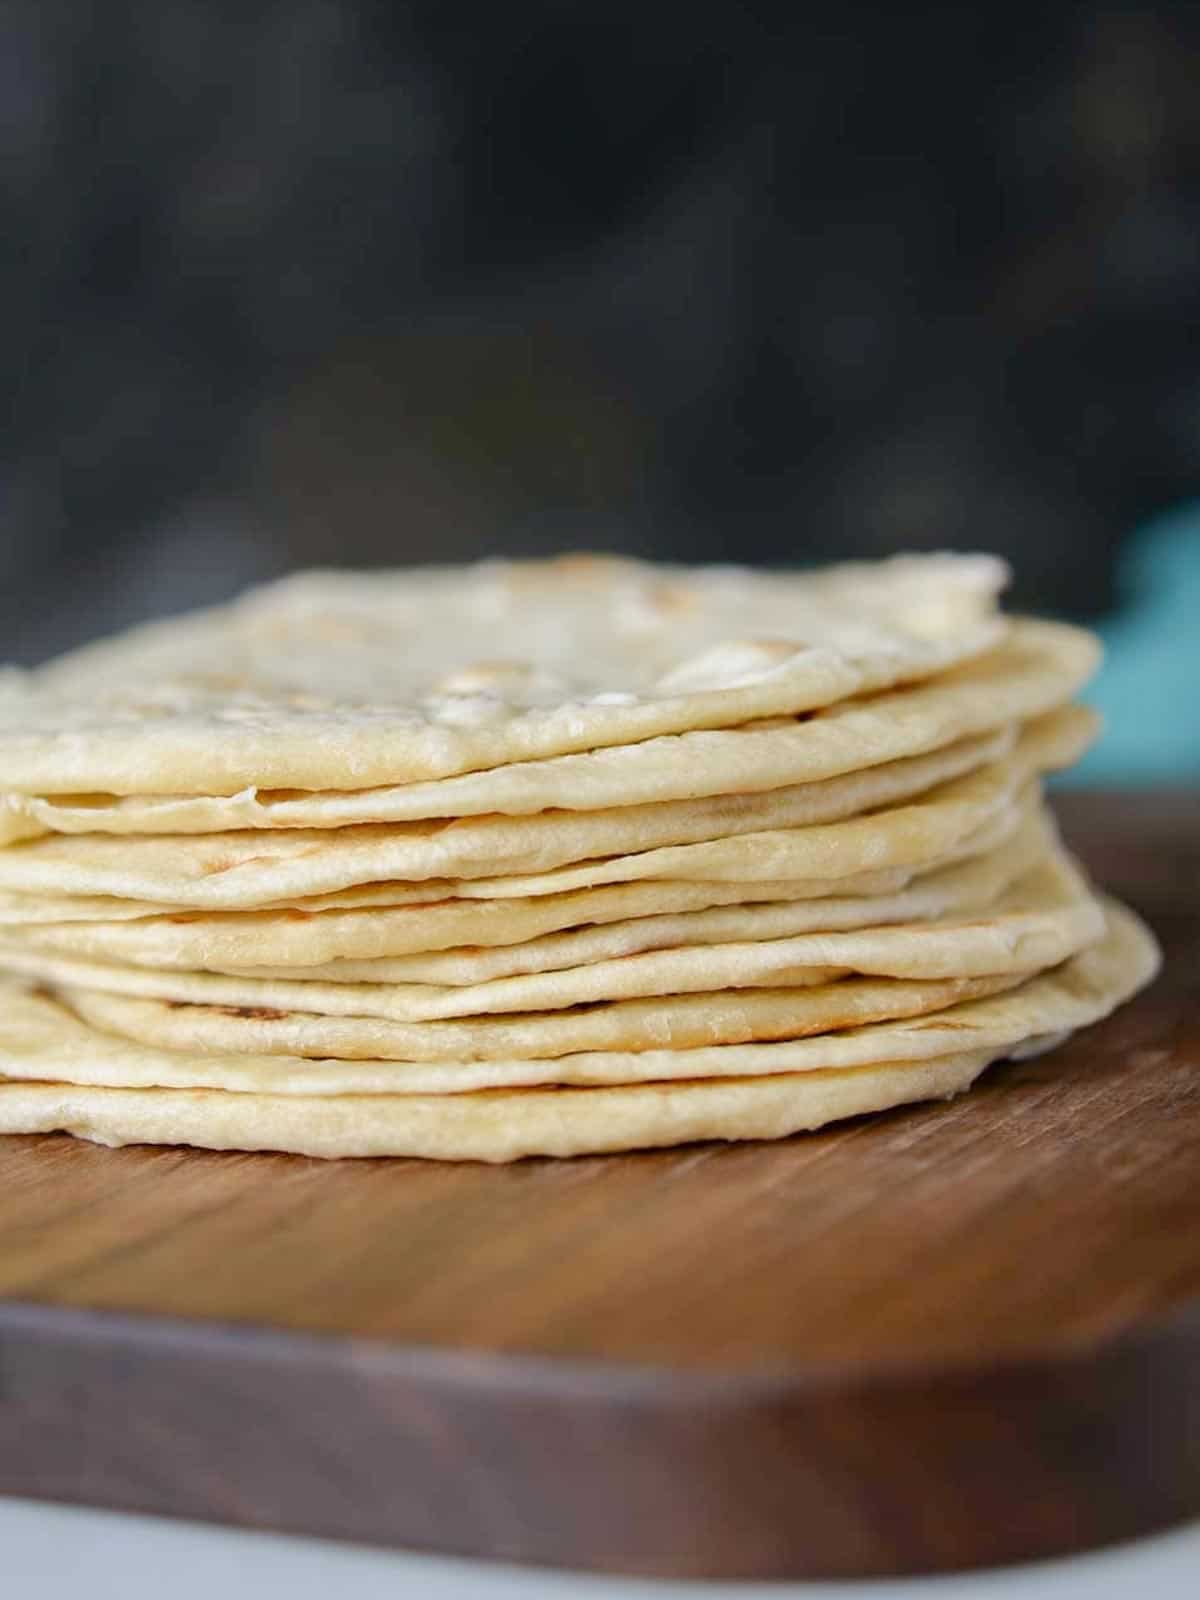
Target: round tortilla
551 836
41 1037
310 1108
1042 920
967 887
680 1022
352 680
257 868
1038 669
299 936
498 1126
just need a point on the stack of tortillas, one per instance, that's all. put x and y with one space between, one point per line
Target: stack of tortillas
543 858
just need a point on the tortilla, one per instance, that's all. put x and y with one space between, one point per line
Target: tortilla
938 825
18 907
342 680
38 1039
256 868
492 1127
680 1022
543 857
555 836
1047 917
42 1038
297 936
969 886
1038 669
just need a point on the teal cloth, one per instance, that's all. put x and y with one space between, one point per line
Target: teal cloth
1149 687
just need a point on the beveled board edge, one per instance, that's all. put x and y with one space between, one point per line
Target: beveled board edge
623 1469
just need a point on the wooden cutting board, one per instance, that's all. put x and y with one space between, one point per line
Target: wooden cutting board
953 1335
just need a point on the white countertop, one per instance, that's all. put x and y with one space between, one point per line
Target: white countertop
63 1553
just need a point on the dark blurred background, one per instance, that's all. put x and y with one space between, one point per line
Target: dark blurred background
324 281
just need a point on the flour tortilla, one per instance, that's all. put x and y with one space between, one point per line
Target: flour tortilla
680 1022
258 868
18 907
342 680
933 826
222 872
492 1127
1039 668
551 836
967 887
38 1039
297 936
548 991
173 936
1047 917
42 1038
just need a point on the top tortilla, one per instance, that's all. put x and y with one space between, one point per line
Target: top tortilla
348 681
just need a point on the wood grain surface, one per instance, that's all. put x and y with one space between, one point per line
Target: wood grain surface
951 1335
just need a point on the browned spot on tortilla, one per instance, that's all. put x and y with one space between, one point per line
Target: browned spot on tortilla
231 866
674 598
248 1013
